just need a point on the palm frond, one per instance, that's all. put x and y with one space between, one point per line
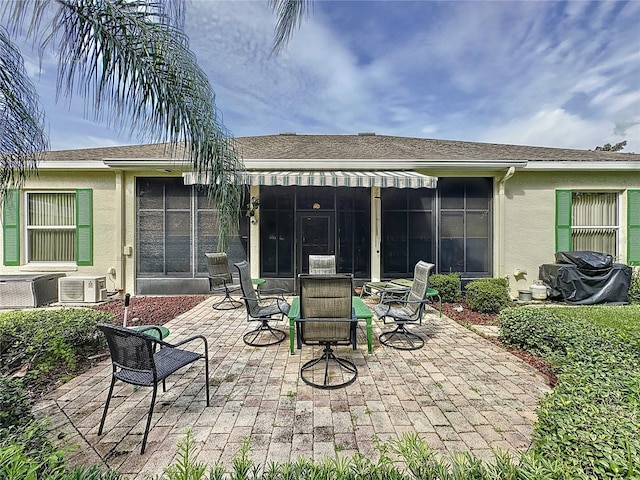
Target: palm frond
130 61
290 16
22 138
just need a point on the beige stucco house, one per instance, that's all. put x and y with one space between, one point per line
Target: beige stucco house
136 216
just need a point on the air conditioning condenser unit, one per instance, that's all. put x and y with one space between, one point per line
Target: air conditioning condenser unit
82 289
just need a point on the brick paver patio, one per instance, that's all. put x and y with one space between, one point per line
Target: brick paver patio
459 393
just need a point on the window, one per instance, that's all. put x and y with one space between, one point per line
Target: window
176 226
465 226
57 225
587 221
51 227
407 230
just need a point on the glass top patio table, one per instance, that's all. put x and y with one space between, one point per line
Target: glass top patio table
361 310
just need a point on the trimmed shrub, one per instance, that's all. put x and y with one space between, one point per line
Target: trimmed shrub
448 284
48 338
589 422
634 286
15 407
23 440
488 295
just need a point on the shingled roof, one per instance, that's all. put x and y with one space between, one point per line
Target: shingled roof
362 146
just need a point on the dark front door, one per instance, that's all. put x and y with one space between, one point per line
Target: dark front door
315 236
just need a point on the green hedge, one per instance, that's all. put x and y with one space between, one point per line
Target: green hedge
488 295
590 422
634 287
46 338
448 285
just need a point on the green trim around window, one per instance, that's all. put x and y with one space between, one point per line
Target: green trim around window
84 227
633 227
11 228
564 240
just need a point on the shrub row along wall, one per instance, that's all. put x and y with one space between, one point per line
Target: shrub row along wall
591 420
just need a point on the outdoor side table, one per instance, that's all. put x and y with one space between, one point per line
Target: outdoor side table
258 282
152 331
361 310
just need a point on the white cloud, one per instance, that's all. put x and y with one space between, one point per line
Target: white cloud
557 128
541 73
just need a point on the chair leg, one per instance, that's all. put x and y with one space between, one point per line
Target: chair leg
326 357
206 370
146 430
407 340
227 302
273 335
106 405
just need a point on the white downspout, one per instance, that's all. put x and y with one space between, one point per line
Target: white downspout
120 271
500 222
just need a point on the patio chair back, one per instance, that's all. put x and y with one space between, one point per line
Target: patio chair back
330 297
419 286
218 266
132 354
322 264
249 293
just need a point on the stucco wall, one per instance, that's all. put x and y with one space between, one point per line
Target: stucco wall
529 216
105 220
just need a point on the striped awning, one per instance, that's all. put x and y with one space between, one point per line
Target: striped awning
317 178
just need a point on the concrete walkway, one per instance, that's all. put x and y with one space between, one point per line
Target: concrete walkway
459 393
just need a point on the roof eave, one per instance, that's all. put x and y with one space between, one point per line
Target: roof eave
374 164
602 166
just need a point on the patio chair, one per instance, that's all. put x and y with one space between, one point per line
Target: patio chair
405 311
327 319
322 264
221 281
137 360
261 308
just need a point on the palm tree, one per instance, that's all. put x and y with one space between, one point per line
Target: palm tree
290 15
131 62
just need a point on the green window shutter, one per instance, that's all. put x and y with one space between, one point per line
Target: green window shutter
564 241
11 227
633 227
84 227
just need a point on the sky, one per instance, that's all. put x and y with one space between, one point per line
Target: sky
543 73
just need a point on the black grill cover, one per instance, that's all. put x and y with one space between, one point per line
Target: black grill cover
574 286
586 261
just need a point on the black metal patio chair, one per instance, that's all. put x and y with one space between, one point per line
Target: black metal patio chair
261 308
137 360
221 281
405 311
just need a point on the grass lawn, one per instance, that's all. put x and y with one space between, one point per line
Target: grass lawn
625 318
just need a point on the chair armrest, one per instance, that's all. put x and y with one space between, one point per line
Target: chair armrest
265 299
274 290
330 320
393 293
187 340
404 301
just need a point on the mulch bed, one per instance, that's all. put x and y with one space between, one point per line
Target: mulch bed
151 310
